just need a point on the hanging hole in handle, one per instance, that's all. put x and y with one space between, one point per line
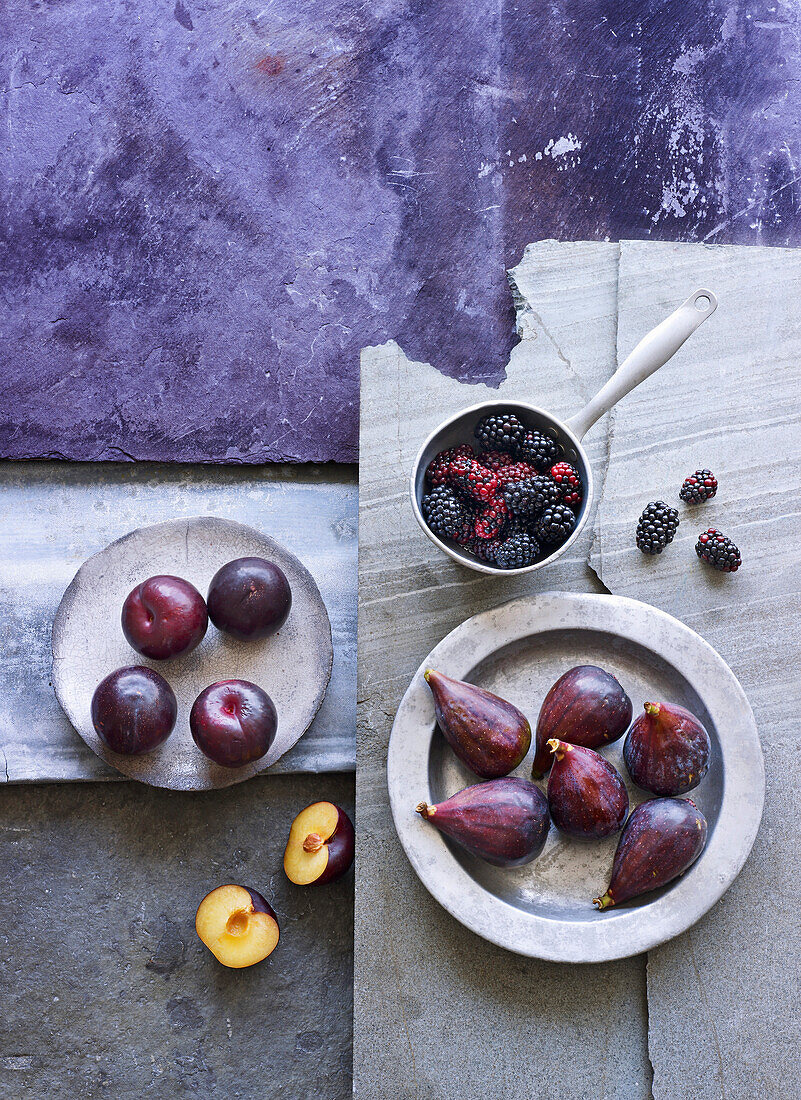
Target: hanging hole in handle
702 303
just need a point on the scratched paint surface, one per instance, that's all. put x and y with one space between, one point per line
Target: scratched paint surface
207 209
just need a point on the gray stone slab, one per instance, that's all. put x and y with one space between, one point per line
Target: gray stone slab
53 516
438 1010
723 998
106 989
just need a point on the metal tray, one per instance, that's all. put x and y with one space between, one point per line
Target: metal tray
545 909
294 666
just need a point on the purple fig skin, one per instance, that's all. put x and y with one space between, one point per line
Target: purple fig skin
587 707
488 734
662 838
504 821
667 750
586 796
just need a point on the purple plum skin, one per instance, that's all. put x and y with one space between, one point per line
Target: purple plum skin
488 734
503 821
249 598
667 753
661 839
586 796
586 706
233 722
260 903
134 710
341 850
164 617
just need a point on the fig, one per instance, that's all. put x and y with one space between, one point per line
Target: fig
504 821
667 750
661 839
488 734
587 707
586 796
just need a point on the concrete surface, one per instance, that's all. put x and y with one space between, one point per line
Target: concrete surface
55 515
210 207
106 989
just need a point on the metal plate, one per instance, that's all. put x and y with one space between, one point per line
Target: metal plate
518 650
294 666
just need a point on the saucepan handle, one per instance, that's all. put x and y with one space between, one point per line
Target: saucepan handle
652 352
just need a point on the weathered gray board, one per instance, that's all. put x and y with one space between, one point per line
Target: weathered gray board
54 515
438 1011
724 997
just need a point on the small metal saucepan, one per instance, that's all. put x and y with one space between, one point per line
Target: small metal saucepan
652 352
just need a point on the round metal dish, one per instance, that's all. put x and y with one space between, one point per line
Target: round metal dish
293 667
545 909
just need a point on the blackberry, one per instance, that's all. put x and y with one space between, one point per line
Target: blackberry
656 527
438 469
568 479
495 460
473 479
717 550
555 524
444 512
504 432
698 487
531 496
484 549
490 520
517 551
539 449
515 471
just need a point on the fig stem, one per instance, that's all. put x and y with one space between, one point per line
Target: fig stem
554 745
312 843
427 674
425 810
604 901
653 709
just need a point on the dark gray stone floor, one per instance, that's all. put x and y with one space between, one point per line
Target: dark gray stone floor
105 989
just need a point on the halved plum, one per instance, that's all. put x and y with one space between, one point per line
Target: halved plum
321 845
238 925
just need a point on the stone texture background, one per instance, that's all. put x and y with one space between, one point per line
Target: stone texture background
106 989
208 207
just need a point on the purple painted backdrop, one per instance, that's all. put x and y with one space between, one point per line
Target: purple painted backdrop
209 207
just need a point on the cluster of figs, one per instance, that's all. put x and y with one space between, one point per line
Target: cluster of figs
505 819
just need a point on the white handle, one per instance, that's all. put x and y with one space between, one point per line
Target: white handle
652 352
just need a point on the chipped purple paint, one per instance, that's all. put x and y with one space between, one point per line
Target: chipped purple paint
208 209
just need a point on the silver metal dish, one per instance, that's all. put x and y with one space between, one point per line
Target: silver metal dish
293 667
545 910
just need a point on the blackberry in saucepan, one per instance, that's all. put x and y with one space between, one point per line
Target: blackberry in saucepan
490 520
438 469
474 480
568 479
444 512
495 460
539 449
484 549
698 487
531 496
656 527
717 550
517 551
555 524
501 432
